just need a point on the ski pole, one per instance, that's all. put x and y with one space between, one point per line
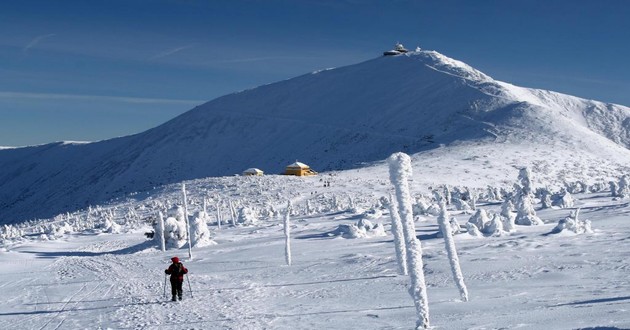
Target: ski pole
164 285
189 288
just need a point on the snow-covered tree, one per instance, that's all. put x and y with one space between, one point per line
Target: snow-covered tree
597 187
507 208
199 232
111 226
508 223
564 200
525 178
545 198
421 206
232 212
480 219
473 201
336 204
614 187
399 173
451 250
495 226
287 234
399 240
460 205
362 229
525 213
492 194
177 212
473 230
159 232
175 229
185 198
447 195
576 187
247 216
623 189
573 224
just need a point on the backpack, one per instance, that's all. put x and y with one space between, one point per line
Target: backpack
178 269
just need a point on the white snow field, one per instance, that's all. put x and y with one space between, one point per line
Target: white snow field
528 279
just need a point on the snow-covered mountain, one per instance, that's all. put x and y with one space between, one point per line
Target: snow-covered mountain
455 120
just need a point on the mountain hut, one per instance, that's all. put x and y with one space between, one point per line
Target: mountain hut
253 172
299 169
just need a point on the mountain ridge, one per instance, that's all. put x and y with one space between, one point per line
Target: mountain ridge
332 119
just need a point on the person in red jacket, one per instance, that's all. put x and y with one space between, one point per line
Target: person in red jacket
177 271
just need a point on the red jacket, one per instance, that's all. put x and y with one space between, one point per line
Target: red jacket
177 271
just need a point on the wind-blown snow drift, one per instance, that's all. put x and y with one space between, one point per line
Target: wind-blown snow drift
422 103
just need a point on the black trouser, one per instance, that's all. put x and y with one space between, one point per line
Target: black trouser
176 288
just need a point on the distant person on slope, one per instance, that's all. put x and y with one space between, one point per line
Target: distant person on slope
177 271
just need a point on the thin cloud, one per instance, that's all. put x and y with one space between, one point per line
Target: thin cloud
268 58
36 40
170 52
122 99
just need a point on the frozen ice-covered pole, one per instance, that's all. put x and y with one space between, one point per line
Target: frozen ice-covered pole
399 239
162 243
232 212
287 234
399 175
205 206
187 221
219 215
451 251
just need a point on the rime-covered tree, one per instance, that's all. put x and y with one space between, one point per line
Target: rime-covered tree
573 224
451 250
525 213
421 206
187 220
508 223
287 234
495 226
623 189
447 195
159 232
480 219
614 187
545 198
399 239
492 194
507 208
564 199
247 216
473 200
473 230
199 232
399 173
525 178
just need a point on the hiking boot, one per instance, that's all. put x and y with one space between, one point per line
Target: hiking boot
180 297
175 299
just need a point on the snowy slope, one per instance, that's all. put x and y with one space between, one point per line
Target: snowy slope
526 280
422 103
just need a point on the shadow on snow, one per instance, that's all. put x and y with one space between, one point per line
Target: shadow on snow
128 250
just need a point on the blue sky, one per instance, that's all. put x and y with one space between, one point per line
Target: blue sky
92 70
